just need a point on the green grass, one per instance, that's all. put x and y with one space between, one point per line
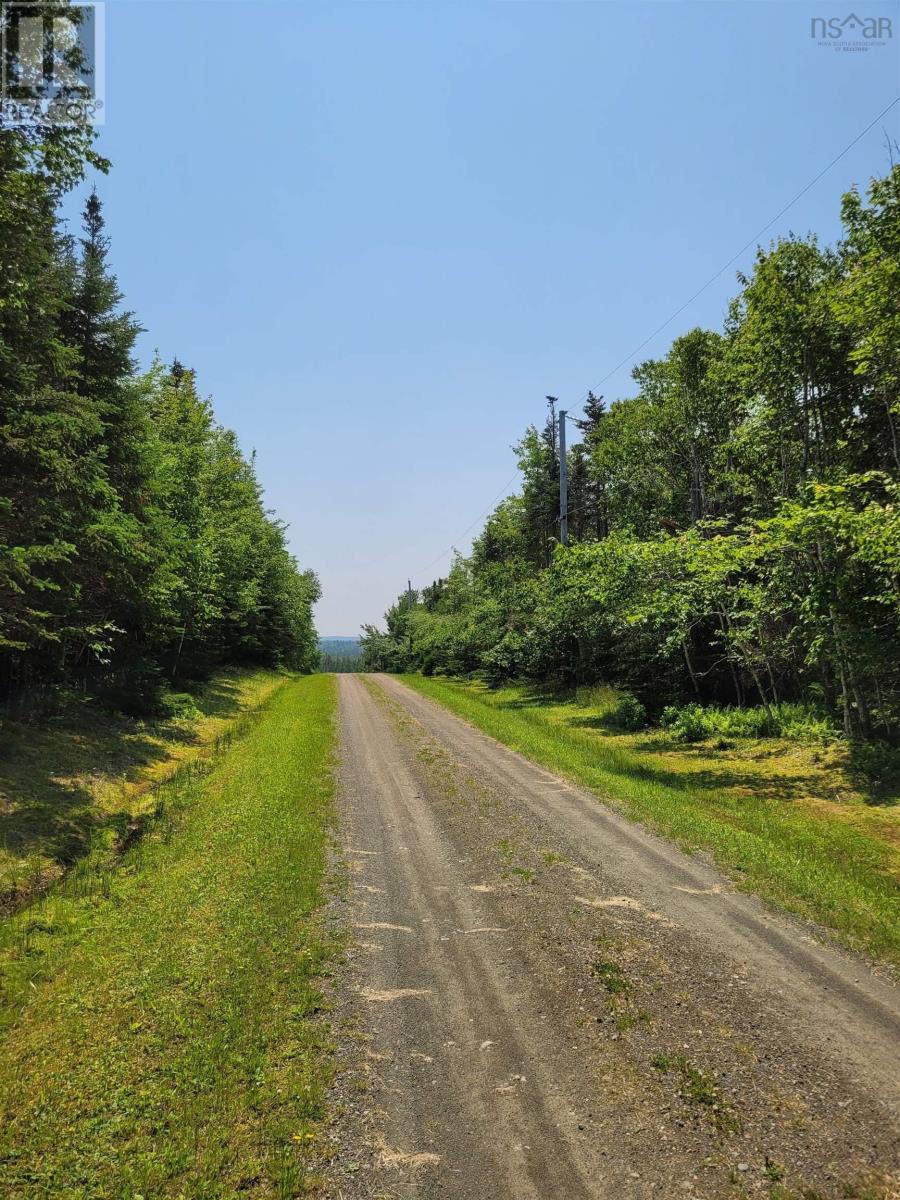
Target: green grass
784 821
169 1045
610 975
75 783
699 1088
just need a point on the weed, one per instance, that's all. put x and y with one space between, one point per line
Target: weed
179 706
524 873
610 975
698 1087
628 1020
773 1171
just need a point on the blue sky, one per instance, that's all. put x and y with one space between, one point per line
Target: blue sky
381 232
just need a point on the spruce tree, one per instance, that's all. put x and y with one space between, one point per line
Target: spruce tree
122 548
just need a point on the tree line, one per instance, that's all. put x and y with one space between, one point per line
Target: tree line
135 545
340 655
340 664
734 524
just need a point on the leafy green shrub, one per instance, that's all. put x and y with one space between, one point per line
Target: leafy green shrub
742 722
686 723
628 713
179 706
504 661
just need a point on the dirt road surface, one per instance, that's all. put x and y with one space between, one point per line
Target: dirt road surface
545 1002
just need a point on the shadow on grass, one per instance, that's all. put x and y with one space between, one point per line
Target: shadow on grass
876 767
606 723
538 698
44 810
217 698
737 782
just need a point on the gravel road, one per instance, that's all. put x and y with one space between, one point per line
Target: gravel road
543 1000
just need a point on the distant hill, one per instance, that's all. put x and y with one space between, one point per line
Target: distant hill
342 647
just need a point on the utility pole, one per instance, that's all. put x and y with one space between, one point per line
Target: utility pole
409 599
563 481
551 404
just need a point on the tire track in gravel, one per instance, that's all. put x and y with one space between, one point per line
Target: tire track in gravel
550 1002
469 1092
831 999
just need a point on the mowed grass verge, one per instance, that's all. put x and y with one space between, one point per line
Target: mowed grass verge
76 783
172 1048
781 820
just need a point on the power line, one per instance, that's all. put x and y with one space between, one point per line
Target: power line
493 503
712 279
678 311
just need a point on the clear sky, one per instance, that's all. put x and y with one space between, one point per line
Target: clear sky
381 232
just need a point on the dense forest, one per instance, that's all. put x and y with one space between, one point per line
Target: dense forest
734 525
135 547
341 655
